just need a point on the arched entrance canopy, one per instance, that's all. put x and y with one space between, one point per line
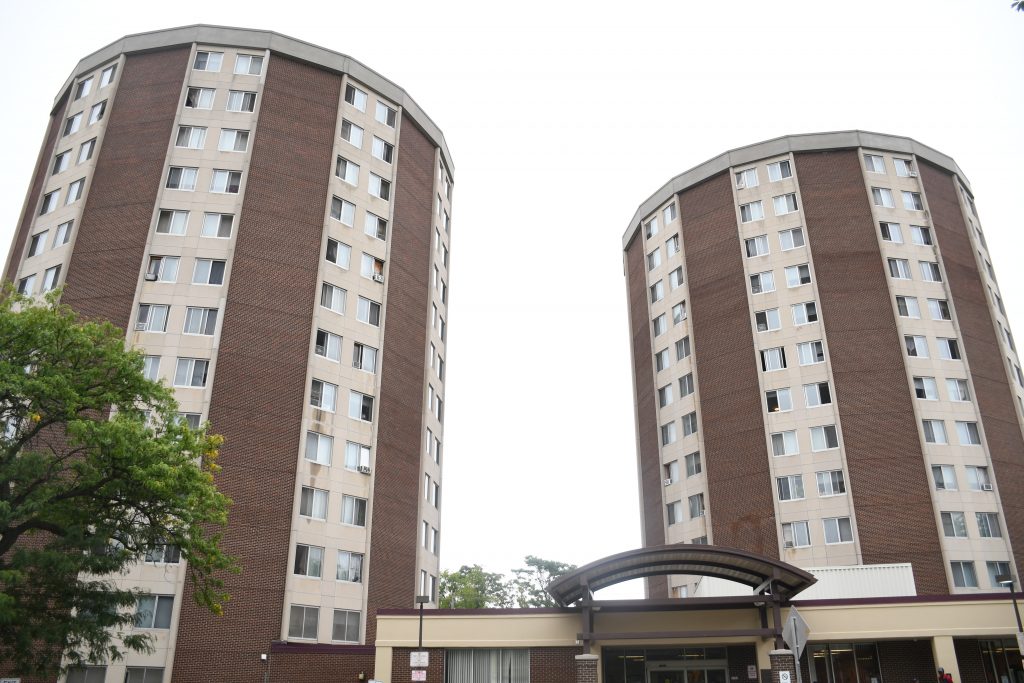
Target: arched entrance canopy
781 579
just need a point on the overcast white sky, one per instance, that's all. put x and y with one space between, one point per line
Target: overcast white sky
562 118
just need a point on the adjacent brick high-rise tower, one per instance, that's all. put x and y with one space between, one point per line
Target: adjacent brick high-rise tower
269 221
822 364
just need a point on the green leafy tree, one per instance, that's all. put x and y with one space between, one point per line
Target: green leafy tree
470 587
1018 5
96 470
530 582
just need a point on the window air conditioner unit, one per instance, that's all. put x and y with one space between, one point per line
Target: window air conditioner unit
150 277
364 469
667 482
378 277
986 487
140 326
788 544
357 364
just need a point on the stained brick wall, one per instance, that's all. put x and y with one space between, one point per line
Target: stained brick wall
906 661
290 663
260 389
391 570
969 660
740 658
401 671
993 393
879 431
647 437
742 513
553 664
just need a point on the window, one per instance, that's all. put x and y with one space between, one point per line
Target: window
874 163
328 345
795 535
805 313
61 162
917 346
63 235
226 181
171 222
925 388
661 360
250 65
690 424
97 111
696 505
899 268
364 358
657 291
675 278
313 503
773 359
790 487
162 268
50 278
779 170
355 97
668 433
86 150
380 187
669 213
654 259
38 243
368 311
375 226
208 61
967 433
217 225
193 420
674 512
693 467
954 524
907 306
882 196
84 88
191 372
798 275
665 395
784 443
199 98
930 271
352 133
977 478
151 367
791 239
754 211
686 385
49 202
309 561
949 349
659 324
353 510
350 568
921 235
679 313
75 191
767 320
319 447
958 389
232 140
995 570
672 245
26 285
72 124
963 574
164 553
360 406
824 437
241 100
762 282
934 431
944 477
912 201
831 483
784 203
208 272
107 75
904 167
152 318
323 395
386 115
303 622
746 179
200 320
837 530
756 246
891 232
338 253
778 400
154 611
384 151
683 348
182 178
817 394
356 455
988 524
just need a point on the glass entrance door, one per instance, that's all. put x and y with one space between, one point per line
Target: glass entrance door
688 675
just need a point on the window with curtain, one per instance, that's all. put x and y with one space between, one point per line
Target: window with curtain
481 665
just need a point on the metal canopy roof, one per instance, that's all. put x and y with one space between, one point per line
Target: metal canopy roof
700 560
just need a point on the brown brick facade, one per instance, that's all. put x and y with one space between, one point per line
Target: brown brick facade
260 389
401 671
906 661
993 394
104 270
553 664
740 505
887 473
649 468
291 663
969 660
398 465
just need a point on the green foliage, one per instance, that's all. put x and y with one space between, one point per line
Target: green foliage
96 469
470 587
1018 5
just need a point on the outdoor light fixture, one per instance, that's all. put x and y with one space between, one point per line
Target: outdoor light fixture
1007 580
421 600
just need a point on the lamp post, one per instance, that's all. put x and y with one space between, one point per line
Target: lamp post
1007 580
421 600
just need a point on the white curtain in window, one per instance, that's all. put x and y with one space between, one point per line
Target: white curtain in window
487 666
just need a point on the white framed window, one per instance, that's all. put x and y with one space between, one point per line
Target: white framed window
303 622
753 211
154 611
319 448
778 400
323 395
151 318
669 213
357 455
328 345
49 203
874 163
190 137
963 574
944 477
685 385
85 151
761 283
784 443
795 535
746 179
170 222
671 471
225 182
217 225
926 389
773 359
805 313
61 161
674 512
683 348
199 98
200 321
672 246
313 503
675 278
360 406
379 187
75 191
930 271
208 272
386 115
921 235
50 278
767 320
779 170
988 524
241 101
355 97
817 394
784 203
967 433
249 65
233 140
665 396
107 75
27 285
661 361
934 431
949 349
679 313
912 201
824 438
182 178
83 88
693 466
382 150
830 483
811 352
38 243
63 235
798 275
364 358
882 196
958 389
375 226
151 368
352 133
790 487
904 167
368 311
891 232
907 306
350 568
899 268
162 268
654 259
97 111
756 246
309 561
353 510
837 530
657 291
917 345
660 325
191 372
791 239
208 61
668 433
347 171
696 505
954 524
338 253
995 570
978 479
690 423
72 124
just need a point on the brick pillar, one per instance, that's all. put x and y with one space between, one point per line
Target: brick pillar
586 668
782 662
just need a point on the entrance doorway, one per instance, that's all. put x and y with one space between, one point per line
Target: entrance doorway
703 673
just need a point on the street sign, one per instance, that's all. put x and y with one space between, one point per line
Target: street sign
10 680
795 632
419 674
419 658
